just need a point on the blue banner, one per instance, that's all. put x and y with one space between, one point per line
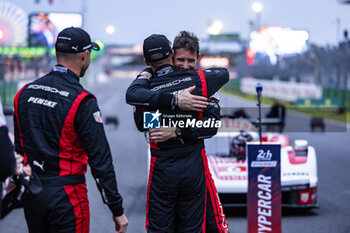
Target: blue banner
264 188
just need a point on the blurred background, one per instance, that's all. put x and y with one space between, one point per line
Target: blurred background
299 50
303 43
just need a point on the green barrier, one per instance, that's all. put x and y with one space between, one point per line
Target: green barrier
317 103
233 85
342 95
8 92
31 52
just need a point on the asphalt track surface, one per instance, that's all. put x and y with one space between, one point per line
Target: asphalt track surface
130 160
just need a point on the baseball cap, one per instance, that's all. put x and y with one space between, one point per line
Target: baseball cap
74 40
156 47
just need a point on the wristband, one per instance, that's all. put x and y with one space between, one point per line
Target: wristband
174 101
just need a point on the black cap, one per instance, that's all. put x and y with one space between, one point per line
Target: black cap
156 47
74 40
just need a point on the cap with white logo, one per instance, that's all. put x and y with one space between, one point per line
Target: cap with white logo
74 40
156 47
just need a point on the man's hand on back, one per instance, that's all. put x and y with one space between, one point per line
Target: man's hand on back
162 134
189 102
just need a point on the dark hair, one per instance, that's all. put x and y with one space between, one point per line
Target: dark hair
186 40
66 56
60 46
157 64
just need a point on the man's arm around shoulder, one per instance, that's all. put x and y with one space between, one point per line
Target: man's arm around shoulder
216 78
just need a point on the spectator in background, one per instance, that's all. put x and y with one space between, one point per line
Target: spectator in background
9 162
278 110
7 158
240 113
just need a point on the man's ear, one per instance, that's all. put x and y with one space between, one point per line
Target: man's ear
82 56
173 55
87 54
198 59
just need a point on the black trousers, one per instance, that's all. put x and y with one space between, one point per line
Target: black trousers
59 209
182 196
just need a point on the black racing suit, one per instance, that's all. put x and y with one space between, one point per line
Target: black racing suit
59 130
180 183
7 158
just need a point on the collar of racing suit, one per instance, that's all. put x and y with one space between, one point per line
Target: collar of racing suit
164 70
64 70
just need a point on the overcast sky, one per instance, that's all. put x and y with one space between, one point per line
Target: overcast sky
134 20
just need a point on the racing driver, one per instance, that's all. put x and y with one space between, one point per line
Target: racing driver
183 148
59 130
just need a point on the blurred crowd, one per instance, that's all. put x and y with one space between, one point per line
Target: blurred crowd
15 67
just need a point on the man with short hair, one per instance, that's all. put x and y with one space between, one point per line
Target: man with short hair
59 130
186 55
186 50
170 148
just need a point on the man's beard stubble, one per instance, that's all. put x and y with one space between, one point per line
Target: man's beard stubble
83 70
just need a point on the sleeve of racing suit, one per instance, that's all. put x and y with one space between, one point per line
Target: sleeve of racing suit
89 126
139 94
138 118
212 112
216 78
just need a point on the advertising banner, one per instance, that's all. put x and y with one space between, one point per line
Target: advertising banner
264 188
290 91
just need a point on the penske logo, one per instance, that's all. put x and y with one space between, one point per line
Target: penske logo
40 101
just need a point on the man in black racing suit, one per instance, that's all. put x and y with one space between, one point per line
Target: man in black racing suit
180 198
59 130
7 158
